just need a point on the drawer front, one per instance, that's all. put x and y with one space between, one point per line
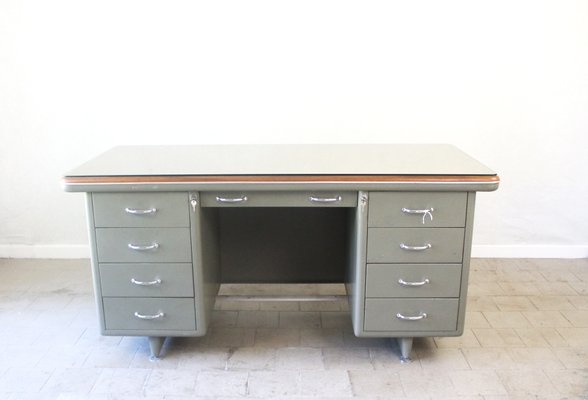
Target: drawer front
279 199
158 314
413 280
153 245
141 209
421 209
421 245
382 315
147 280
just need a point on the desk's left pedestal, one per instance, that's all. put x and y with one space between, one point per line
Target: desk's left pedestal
155 264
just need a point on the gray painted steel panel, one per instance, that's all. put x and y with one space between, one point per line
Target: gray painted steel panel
171 209
448 209
178 314
383 280
174 244
279 199
383 245
380 314
176 280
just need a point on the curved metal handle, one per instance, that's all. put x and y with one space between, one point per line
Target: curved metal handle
315 199
149 317
140 211
231 199
140 247
143 283
424 212
422 315
406 283
415 248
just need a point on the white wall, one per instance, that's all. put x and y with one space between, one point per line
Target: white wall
506 81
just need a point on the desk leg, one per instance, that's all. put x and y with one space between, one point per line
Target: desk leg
405 345
155 344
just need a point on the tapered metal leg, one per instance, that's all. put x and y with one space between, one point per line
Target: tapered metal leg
155 345
405 345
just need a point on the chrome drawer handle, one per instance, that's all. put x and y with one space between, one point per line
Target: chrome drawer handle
149 317
425 212
421 283
415 248
143 283
241 199
315 199
139 247
138 211
422 315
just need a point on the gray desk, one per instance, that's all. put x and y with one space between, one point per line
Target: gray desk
169 224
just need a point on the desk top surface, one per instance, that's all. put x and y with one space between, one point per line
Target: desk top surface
349 162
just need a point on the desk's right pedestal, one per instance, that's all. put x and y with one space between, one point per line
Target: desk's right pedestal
408 273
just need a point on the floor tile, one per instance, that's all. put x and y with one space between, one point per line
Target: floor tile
170 382
513 303
344 358
29 380
528 383
121 381
325 384
572 382
506 319
277 337
300 320
299 358
252 359
221 383
76 380
376 383
547 319
477 383
272 384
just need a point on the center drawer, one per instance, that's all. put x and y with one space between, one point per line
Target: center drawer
143 245
413 280
147 280
416 245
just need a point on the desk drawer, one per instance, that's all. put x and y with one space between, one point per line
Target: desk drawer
421 209
141 209
151 245
147 280
152 314
279 199
421 245
416 280
382 315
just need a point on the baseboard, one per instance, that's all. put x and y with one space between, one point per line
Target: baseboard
44 251
478 251
529 251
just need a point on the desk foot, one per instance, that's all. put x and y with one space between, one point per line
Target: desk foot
405 345
155 345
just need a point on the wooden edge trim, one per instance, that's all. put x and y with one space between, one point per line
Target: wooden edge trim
279 178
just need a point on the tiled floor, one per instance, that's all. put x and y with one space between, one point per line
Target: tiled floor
526 337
